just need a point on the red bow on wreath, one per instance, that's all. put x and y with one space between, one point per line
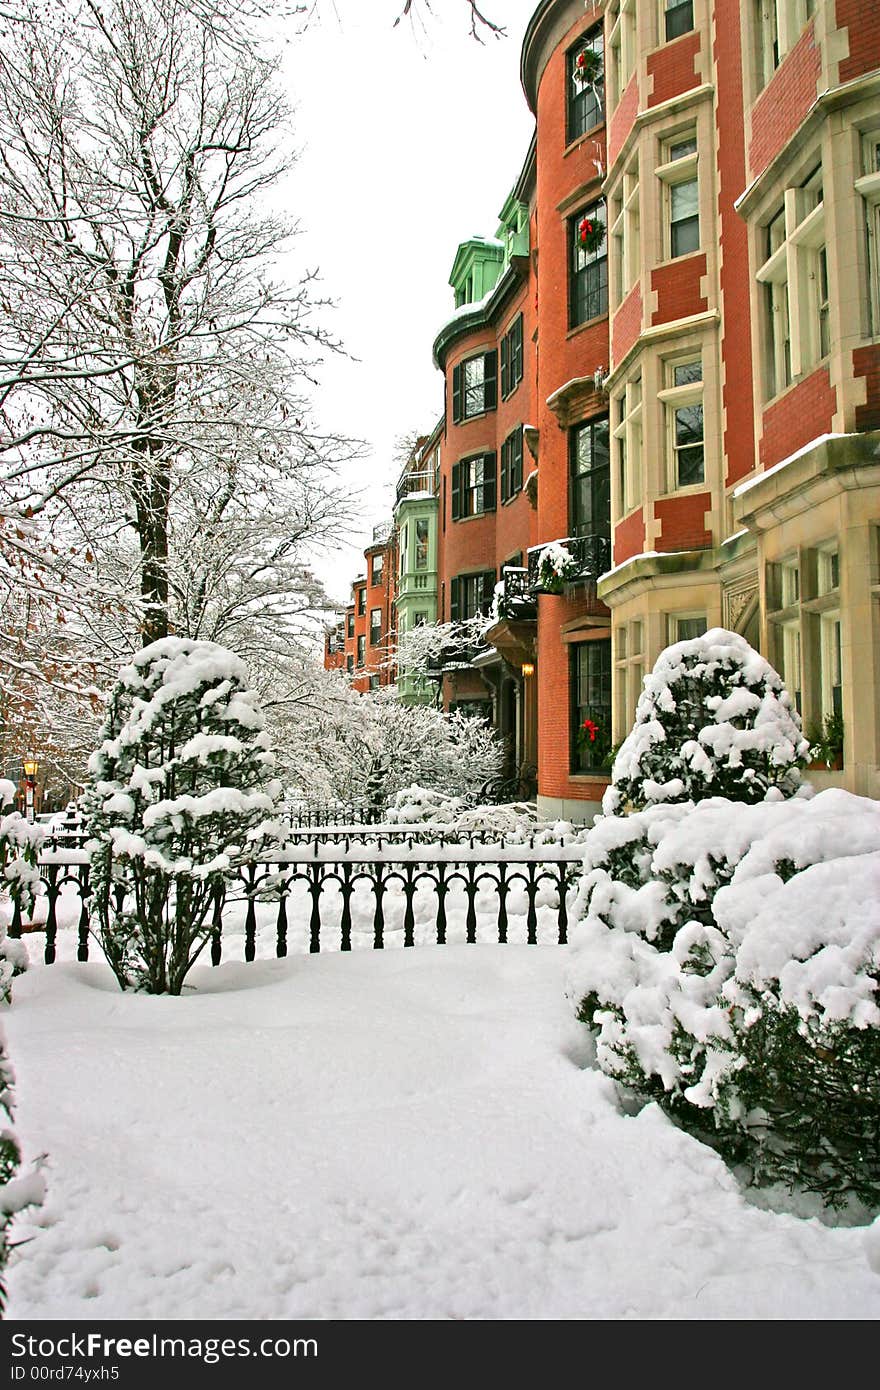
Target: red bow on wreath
591 729
585 229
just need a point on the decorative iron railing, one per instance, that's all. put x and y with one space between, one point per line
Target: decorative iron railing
591 555
408 483
428 895
517 601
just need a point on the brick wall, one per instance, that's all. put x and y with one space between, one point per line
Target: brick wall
785 101
866 364
677 286
861 18
673 68
803 413
629 537
682 521
627 323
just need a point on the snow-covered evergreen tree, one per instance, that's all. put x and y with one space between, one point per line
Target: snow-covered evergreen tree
714 719
181 792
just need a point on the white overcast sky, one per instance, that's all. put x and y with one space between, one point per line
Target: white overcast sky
411 139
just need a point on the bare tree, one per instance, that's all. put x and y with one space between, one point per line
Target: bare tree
146 353
480 23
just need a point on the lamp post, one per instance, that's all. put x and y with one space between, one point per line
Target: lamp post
31 768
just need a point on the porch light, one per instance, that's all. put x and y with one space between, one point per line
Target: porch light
31 768
528 668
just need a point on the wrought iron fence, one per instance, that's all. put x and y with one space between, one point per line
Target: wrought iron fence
591 554
323 883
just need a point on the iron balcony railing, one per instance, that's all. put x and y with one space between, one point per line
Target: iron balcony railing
414 482
591 556
516 602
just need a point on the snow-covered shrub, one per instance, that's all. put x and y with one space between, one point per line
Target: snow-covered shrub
416 805
555 567
20 844
728 962
16 1193
714 719
181 792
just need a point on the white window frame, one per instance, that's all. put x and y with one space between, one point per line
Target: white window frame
674 171
868 188
779 25
628 436
621 50
675 623
796 273
675 398
628 662
625 233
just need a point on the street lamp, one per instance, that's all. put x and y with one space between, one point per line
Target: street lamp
31 768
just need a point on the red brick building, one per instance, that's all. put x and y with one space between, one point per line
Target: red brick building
668 363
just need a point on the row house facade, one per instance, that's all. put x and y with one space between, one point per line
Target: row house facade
361 641
667 363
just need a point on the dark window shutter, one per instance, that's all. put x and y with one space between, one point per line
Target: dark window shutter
488 578
489 470
490 381
516 354
517 463
505 365
456 491
505 481
457 401
454 600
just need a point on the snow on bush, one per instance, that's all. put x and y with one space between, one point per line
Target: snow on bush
714 719
19 847
181 792
728 962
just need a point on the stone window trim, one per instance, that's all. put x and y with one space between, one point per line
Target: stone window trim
625 219
778 26
793 271
621 29
682 399
867 186
683 627
627 414
805 626
678 173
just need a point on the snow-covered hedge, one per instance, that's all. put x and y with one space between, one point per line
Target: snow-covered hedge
714 719
181 792
512 823
728 961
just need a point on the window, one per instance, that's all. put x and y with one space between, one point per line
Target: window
794 277
778 25
625 232
349 663
678 171
512 464
678 17
377 565
621 21
350 625
470 594
783 599
629 666
375 626
684 627
591 700
473 486
683 399
589 479
361 650
361 602
474 386
588 280
512 358
422 533
868 186
585 97
628 445
420 619
804 617
404 547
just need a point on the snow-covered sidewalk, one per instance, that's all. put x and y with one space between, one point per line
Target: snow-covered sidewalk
408 1134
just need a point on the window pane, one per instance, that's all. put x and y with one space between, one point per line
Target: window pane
686 372
679 18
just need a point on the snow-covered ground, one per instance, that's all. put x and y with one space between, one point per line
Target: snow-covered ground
407 1134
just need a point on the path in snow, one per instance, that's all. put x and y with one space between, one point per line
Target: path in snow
397 1135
